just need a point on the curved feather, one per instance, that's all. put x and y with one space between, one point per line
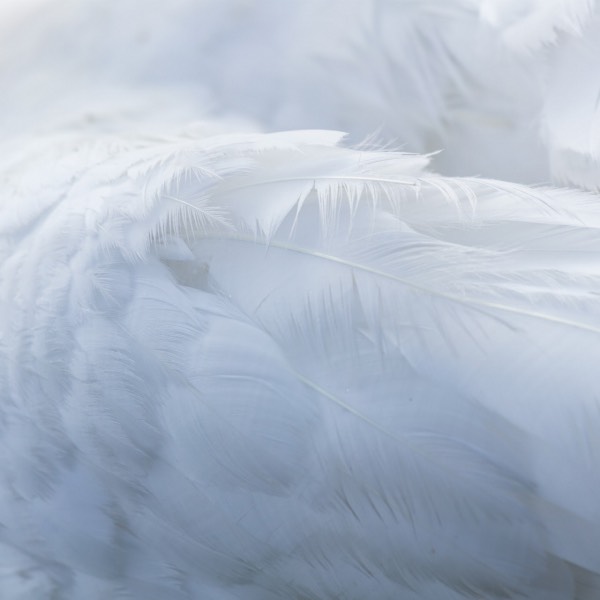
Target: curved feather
268 365
236 365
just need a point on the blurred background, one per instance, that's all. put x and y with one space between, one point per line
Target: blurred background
466 79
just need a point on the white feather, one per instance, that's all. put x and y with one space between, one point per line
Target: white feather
263 366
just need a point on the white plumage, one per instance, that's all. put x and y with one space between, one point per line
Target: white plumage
246 365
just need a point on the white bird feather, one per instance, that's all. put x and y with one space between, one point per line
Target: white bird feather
245 365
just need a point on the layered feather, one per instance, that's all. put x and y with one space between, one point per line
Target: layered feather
265 366
236 365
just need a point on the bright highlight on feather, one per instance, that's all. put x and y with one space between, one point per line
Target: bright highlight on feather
246 356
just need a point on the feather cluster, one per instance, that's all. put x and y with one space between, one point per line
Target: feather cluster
247 365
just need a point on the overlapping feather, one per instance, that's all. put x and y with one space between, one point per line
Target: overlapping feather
254 366
270 364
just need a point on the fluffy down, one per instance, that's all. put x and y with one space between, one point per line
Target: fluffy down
238 365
